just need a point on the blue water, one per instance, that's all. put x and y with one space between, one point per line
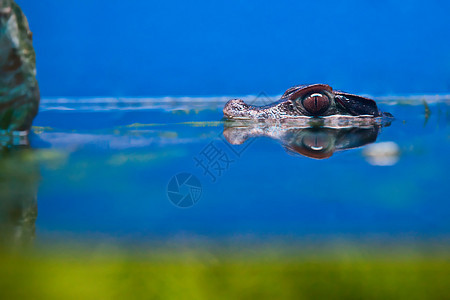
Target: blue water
104 166
119 48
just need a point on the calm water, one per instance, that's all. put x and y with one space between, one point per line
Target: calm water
100 169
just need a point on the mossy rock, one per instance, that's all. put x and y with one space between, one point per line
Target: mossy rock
19 90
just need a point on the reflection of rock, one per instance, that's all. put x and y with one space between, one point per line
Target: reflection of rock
19 178
19 91
314 142
382 154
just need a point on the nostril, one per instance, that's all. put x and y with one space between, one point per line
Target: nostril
238 103
232 107
235 108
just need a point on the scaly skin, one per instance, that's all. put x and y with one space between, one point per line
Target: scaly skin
19 91
306 101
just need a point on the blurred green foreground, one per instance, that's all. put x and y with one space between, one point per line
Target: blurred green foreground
196 274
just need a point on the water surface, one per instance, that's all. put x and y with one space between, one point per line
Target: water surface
101 168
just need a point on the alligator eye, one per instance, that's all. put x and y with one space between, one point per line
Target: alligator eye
316 103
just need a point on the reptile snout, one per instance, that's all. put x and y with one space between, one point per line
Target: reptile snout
235 108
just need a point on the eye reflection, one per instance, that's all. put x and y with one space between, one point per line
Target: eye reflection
313 142
316 140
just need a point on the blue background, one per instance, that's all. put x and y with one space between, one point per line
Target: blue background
149 48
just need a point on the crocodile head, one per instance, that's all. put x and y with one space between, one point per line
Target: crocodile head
316 100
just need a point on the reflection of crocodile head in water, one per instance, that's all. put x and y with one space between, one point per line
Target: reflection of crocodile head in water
316 100
314 142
